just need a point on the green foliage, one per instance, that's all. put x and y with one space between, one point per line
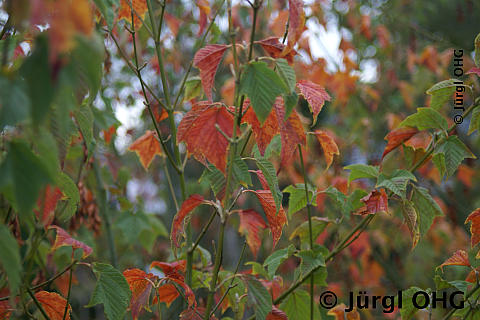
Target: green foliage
441 93
358 171
425 118
396 182
298 199
10 259
449 154
427 209
273 261
297 306
259 298
270 175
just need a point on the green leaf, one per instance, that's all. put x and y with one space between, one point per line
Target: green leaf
84 117
262 85
358 171
425 118
193 88
297 306
297 199
111 290
214 177
270 175
286 73
397 182
310 260
157 229
257 268
450 154
408 310
240 172
259 298
302 231
411 217
10 259
69 190
274 260
14 102
477 50
132 224
474 121
427 209
290 101
107 9
87 58
441 93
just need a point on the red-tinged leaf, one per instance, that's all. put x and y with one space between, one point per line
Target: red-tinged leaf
459 258
261 178
276 314
339 313
297 23
474 70
172 270
275 48
315 95
172 23
474 218
5 309
263 134
207 60
108 134
473 276
251 226
53 304
375 201
140 285
166 293
178 221
62 283
396 137
195 314
63 239
198 130
276 221
291 132
204 8
47 203
419 140
329 146
146 147
139 9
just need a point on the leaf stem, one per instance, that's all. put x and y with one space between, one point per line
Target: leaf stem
69 291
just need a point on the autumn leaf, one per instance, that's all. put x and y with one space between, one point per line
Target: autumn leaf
339 313
140 284
276 314
178 221
328 144
459 258
53 304
204 8
198 129
108 134
139 9
474 70
474 218
263 133
64 239
166 293
146 147
276 221
375 201
275 48
251 226
297 23
47 203
5 309
396 137
207 60
315 95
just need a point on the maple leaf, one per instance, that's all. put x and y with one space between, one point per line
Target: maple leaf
275 48
297 23
53 304
315 95
396 137
63 239
339 313
375 201
146 147
276 221
276 314
178 221
166 293
474 218
207 60
47 203
329 146
140 284
139 9
459 258
198 129
251 226
263 133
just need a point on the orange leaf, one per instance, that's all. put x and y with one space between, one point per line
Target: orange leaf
125 12
263 134
474 218
63 239
275 48
459 258
204 8
195 314
53 304
46 206
62 283
396 137
465 175
339 313
251 226
107 134
146 147
419 140
172 273
207 60
276 221
198 130
297 23
178 221
315 95
276 314
140 286
329 146
172 23
166 293
375 201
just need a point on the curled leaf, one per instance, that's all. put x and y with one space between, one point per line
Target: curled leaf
459 258
178 221
474 218
396 137
315 95
375 201
47 203
275 48
64 239
140 284
329 146
297 23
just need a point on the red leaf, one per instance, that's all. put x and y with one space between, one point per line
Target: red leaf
166 293
46 206
474 218
172 273
64 239
276 221
198 130
459 258
474 70
53 304
375 201
329 146
178 221
251 226
263 134
195 314
146 147
140 288
276 314
125 12
204 8
172 23
5 309
315 95
396 137
275 49
297 23
108 134
207 60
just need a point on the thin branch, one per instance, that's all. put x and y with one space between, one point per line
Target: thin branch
39 306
